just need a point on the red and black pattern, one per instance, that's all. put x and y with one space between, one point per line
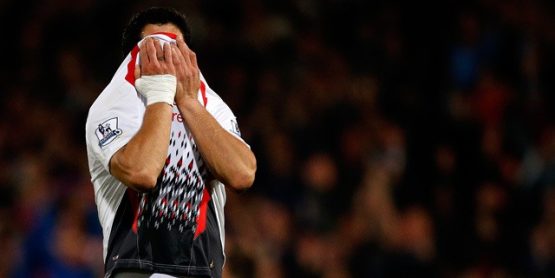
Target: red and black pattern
176 201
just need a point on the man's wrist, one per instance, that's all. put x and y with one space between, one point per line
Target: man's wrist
157 88
187 102
188 106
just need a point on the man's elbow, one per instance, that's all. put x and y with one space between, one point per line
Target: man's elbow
142 181
138 178
243 179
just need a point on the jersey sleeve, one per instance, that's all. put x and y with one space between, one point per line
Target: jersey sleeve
113 121
221 112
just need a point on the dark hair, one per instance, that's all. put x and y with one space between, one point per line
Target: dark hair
154 15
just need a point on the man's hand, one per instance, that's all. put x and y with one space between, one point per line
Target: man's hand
155 59
155 79
187 72
228 158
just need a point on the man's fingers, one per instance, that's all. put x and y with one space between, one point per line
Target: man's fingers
143 55
184 49
181 45
158 48
151 50
193 57
168 54
143 52
148 49
177 57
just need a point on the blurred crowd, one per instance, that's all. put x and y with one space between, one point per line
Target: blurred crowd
393 139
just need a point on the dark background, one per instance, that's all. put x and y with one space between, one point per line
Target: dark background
393 139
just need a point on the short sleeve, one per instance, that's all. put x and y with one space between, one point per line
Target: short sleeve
222 113
112 121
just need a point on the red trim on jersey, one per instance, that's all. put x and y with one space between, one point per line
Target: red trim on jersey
130 76
134 201
171 35
201 220
203 92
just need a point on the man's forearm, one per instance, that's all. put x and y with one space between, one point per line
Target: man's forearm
229 159
139 163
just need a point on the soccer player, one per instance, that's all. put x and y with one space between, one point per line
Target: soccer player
161 145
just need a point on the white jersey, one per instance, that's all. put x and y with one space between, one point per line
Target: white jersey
185 193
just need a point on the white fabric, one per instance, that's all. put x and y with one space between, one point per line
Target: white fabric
157 88
219 197
118 101
113 119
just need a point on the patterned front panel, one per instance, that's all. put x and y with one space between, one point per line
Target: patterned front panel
176 201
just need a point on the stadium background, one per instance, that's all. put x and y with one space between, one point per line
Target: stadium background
393 139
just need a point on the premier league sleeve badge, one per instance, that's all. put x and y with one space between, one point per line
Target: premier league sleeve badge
107 131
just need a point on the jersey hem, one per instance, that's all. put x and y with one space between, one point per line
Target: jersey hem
141 265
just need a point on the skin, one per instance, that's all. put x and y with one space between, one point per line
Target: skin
139 163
